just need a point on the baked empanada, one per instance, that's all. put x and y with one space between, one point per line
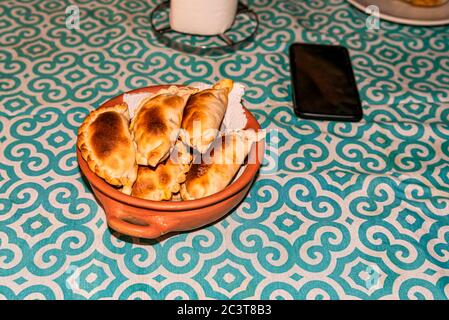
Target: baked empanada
203 115
161 182
107 146
215 170
156 125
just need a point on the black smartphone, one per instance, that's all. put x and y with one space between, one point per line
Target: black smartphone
324 86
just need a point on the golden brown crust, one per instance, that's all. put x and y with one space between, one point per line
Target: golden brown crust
426 3
217 168
161 182
145 185
156 125
154 121
107 134
106 145
203 115
198 170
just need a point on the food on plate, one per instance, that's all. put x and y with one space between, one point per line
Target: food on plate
107 146
213 171
161 182
203 115
155 126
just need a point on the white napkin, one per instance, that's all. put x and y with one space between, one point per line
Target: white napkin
133 101
234 118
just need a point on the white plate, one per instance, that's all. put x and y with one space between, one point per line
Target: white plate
402 12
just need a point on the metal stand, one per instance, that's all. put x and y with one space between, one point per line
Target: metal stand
231 40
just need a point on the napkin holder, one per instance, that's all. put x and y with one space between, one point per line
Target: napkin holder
241 32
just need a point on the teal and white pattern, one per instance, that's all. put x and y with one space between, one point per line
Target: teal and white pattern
354 211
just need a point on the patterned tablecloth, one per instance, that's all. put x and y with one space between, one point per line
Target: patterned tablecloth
356 210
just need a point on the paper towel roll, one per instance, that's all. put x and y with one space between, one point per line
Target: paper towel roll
202 17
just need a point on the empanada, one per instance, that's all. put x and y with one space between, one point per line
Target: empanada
156 125
161 182
215 170
203 115
107 146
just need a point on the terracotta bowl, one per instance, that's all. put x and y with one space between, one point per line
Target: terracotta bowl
151 219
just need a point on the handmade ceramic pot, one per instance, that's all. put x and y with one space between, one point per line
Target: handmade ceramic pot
151 219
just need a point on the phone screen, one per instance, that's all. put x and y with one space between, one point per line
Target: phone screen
324 86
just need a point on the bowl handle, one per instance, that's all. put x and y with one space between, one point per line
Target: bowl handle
150 227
